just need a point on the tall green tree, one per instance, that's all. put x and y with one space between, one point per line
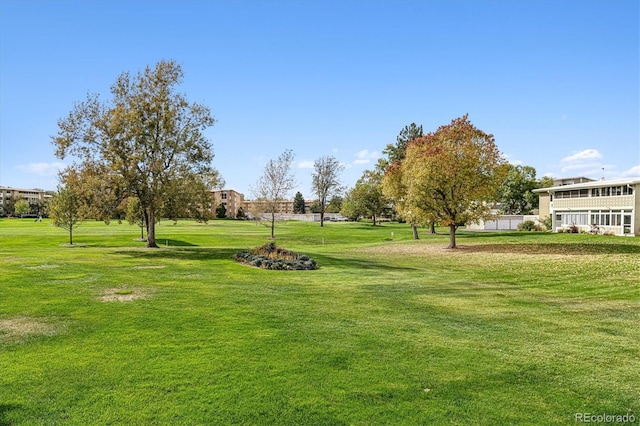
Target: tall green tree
274 185
135 214
451 175
365 198
147 141
298 203
391 170
22 207
515 194
397 152
335 204
325 181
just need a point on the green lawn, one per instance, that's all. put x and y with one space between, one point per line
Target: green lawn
512 328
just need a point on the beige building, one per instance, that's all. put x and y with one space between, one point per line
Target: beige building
232 200
257 206
603 206
32 196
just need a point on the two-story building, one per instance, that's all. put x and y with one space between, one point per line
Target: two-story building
611 206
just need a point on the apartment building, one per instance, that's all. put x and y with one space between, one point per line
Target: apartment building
230 199
604 206
233 201
11 195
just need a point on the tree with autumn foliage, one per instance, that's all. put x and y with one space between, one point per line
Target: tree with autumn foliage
451 175
391 170
147 142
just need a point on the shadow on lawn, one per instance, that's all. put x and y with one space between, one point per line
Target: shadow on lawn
577 249
177 252
4 410
168 242
214 253
357 264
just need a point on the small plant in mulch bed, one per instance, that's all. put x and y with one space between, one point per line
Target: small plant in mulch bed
268 256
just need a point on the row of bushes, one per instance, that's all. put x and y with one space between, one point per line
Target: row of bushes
573 229
268 256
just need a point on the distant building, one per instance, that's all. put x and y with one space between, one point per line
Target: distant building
608 206
233 201
282 207
230 199
11 195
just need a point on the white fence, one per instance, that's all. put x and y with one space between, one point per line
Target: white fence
310 217
503 223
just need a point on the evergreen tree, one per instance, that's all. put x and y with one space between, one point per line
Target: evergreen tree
298 203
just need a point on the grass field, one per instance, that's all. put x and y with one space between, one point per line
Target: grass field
512 328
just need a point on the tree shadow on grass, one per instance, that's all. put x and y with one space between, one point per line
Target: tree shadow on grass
6 409
182 253
357 264
168 242
569 249
494 234
216 253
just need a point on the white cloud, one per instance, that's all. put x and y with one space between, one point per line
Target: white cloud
586 162
632 172
365 156
305 164
579 166
42 169
362 161
508 158
587 154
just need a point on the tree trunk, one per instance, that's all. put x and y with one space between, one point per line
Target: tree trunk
71 235
273 224
414 229
145 219
452 237
374 220
432 228
321 218
151 229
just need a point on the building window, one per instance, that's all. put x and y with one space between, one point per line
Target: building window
572 218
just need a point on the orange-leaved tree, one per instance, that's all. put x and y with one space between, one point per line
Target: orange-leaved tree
451 175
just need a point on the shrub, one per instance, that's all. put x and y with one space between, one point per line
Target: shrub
268 256
573 229
529 225
547 222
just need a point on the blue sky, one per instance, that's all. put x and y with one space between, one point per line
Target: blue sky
556 82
